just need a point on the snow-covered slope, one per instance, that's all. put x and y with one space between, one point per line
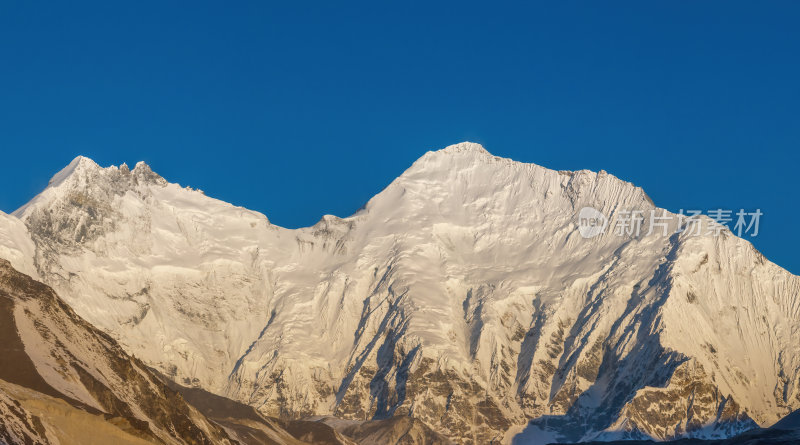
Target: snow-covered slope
16 244
462 294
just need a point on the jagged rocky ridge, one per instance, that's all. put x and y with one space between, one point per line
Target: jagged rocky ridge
462 295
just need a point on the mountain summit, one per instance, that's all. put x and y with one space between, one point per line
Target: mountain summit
463 295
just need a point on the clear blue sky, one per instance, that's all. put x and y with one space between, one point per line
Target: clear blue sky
299 109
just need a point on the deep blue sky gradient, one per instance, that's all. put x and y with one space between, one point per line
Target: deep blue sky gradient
298 109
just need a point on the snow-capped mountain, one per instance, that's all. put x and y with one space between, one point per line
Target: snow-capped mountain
462 295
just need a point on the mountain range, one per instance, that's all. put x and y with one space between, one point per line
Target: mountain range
460 304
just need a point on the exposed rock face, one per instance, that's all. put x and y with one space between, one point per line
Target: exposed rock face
785 432
249 427
18 425
689 405
399 430
463 295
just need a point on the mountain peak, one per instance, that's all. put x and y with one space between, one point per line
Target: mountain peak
464 147
86 176
83 160
79 163
143 171
456 156
83 166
